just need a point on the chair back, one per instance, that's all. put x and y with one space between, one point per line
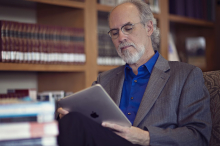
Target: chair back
212 82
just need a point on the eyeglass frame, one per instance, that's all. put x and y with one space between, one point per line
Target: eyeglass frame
132 24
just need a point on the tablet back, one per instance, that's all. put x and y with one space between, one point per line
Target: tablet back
96 104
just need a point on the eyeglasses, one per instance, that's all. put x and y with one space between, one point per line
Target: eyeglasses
126 29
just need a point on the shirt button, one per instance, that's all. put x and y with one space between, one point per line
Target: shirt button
135 81
132 97
129 113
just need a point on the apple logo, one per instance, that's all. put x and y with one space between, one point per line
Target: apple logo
94 115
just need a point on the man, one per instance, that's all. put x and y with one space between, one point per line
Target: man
167 102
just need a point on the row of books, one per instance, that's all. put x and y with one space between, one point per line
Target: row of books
154 4
27 123
34 43
199 9
107 54
51 96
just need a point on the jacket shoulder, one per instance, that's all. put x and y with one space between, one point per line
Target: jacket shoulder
110 74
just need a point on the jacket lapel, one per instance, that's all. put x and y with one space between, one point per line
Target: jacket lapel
156 83
117 84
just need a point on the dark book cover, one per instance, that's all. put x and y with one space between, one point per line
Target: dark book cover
177 7
209 10
204 9
190 8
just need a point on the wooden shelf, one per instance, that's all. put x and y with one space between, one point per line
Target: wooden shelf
181 19
41 67
66 3
156 16
102 68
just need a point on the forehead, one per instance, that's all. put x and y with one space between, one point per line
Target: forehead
122 14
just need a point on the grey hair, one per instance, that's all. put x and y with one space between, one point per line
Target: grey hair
145 16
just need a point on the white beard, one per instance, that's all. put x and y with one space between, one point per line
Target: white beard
129 57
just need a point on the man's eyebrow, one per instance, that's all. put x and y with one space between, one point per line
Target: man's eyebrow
121 27
126 23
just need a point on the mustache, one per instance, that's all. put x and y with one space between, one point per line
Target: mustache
125 44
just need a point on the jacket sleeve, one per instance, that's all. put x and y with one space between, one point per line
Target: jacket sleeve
194 117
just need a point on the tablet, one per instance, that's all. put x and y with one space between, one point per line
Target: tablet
95 103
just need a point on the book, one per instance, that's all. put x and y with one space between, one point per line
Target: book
177 7
190 8
25 92
43 141
25 108
28 130
4 41
48 117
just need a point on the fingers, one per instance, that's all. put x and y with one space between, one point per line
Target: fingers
113 126
62 112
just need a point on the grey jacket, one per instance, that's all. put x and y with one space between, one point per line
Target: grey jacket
175 108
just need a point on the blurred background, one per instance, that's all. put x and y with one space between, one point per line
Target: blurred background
62 45
50 49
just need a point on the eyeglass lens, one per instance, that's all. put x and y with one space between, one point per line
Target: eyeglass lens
126 29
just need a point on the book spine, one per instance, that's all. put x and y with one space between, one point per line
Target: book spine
45 38
16 42
44 141
26 109
7 42
2 40
11 41
20 56
48 117
28 130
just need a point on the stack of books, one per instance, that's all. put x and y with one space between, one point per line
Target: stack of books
42 44
27 123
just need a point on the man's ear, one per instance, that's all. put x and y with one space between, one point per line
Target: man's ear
149 27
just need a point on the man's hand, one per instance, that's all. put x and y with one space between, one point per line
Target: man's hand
133 134
62 112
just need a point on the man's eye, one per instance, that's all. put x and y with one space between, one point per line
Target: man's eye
114 33
128 28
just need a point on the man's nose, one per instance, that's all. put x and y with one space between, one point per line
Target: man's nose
121 36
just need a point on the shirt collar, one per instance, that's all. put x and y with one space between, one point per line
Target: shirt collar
149 64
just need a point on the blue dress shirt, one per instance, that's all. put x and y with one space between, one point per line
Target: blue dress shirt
134 87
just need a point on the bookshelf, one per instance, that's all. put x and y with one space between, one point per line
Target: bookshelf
85 15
